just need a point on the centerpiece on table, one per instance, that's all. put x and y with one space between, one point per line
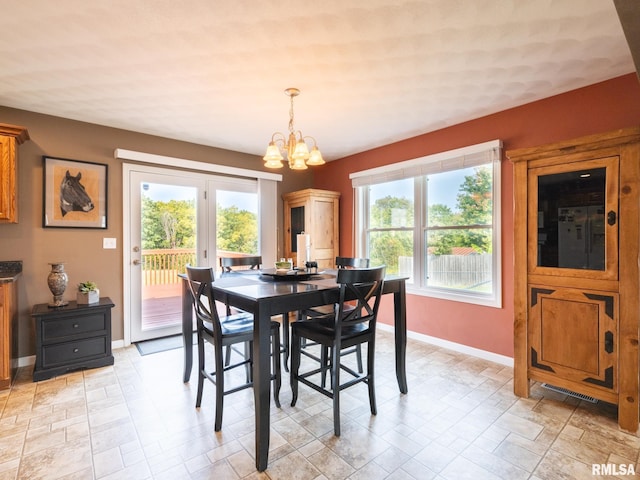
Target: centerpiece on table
88 293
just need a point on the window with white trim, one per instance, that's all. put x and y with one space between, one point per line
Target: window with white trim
436 220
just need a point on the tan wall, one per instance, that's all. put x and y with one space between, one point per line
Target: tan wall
81 249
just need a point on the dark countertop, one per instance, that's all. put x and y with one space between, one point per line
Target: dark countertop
10 271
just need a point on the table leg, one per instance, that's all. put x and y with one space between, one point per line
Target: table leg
187 330
400 322
262 384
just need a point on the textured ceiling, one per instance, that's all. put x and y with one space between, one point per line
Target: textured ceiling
371 72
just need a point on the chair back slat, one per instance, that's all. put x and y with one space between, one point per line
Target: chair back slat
229 263
351 262
363 287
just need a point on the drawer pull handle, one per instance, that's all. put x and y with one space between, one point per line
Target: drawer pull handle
76 350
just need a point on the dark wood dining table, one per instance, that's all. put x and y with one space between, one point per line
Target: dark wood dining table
264 294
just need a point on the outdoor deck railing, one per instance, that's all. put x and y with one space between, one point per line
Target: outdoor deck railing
161 266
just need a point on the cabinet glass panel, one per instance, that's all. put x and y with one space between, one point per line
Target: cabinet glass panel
571 219
297 226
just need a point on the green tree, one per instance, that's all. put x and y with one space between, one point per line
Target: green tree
237 230
152 232
473 207
392 212
169 224
475 202
387 246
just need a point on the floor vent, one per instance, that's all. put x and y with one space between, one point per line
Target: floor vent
586 398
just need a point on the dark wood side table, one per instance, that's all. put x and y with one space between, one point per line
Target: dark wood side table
72 337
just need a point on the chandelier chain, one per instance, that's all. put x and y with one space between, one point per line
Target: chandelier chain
291 129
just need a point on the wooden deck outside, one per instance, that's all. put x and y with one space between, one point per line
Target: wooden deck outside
162 289
161 306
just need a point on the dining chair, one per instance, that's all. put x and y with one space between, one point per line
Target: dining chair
238 264
229 265
340 330
225 331
341 262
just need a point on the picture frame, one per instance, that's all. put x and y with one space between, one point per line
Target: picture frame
74 193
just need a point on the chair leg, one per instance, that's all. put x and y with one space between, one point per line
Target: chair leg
335 383
201 367
219 390
359 357
227 360
295 366
324 365
285 340
248 352
275 355
370 381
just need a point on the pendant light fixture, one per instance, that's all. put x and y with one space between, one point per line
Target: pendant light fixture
293 146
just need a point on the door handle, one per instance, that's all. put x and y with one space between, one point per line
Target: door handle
611 218
136 262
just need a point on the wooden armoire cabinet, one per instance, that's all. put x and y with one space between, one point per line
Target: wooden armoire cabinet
316 213
10 137
577 295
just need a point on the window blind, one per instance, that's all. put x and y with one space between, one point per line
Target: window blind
473 155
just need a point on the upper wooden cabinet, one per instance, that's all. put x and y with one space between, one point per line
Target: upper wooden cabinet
314 212
576 276
10 137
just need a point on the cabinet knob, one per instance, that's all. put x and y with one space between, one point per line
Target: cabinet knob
75 325
76 350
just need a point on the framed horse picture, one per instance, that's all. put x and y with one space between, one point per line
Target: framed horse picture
74 194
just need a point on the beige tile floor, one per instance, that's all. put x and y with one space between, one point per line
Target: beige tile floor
460 420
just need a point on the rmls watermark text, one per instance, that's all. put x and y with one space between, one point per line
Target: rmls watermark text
613 469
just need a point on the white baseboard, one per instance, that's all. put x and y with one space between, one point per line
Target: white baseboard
456 347
26 361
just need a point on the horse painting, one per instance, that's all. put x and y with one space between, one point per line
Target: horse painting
73 196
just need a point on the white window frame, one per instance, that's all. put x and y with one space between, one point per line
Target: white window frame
474 155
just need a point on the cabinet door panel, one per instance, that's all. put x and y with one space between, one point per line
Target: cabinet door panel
7 180
565 341
573 334
323 228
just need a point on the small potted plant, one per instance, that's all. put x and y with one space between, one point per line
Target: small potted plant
88 293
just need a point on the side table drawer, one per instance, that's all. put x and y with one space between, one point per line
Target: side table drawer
63 327
73 352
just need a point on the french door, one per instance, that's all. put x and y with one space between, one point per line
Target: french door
167 230
173 218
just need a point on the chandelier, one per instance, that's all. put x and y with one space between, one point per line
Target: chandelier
294 147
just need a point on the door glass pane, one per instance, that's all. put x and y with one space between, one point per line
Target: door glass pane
571 219
168 240
236 224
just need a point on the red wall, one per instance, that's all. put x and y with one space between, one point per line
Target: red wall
598 108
